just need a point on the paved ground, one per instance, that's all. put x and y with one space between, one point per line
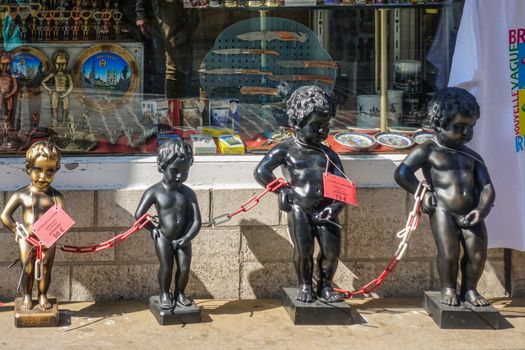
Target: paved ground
258 324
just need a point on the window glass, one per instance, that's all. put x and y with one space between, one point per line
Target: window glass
120 77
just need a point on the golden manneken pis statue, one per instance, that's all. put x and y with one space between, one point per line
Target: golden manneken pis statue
62 86
42 162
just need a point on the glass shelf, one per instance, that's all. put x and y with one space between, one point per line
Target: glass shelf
437 4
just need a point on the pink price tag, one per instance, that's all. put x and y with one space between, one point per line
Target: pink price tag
52 225
340 189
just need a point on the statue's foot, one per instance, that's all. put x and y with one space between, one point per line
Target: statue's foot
330 295
182 300
43 302
474 298
165 300
27 302
305 294
449 297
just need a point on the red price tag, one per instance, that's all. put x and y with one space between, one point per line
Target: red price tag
52 225
340 189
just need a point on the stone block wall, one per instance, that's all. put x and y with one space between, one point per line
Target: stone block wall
247 257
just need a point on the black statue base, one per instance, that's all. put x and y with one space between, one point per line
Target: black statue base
464 316
178 315
316 313
36 317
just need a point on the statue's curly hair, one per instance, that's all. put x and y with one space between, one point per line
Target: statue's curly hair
62 53
448 102
42 149
170 150
304 101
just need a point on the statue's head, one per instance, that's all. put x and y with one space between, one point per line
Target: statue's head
453 112
174 158
309 111
60 60
42 162
5 62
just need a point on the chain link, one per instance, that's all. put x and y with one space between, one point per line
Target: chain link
23 234
405 234
252 202
138 225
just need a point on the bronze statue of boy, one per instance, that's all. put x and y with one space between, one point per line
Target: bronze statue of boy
8 90
179 219
461 194
42 162
310 215
61 88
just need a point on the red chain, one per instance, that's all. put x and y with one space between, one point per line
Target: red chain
138 225
249 204
374 284
411 224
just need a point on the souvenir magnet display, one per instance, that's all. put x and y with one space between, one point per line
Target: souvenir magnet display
42 160
310 214
179 222
459 199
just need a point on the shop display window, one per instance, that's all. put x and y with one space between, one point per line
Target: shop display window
104 77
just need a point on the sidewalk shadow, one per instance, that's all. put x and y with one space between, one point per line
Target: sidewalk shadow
235 307
99 311
266 260
267 257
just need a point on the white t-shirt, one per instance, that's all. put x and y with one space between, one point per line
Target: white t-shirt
489 61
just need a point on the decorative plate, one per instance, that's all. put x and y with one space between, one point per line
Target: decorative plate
29 65
423 136
393 140
106 75
355 140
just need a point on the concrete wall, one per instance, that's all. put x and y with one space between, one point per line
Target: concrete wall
247 257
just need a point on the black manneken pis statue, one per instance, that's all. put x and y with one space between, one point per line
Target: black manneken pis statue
461 193
179 219
42 162
310 215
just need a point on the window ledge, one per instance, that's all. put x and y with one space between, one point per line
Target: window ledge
217 172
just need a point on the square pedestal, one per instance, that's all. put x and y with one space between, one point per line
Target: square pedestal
316 313
464 316
36 317
177 315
